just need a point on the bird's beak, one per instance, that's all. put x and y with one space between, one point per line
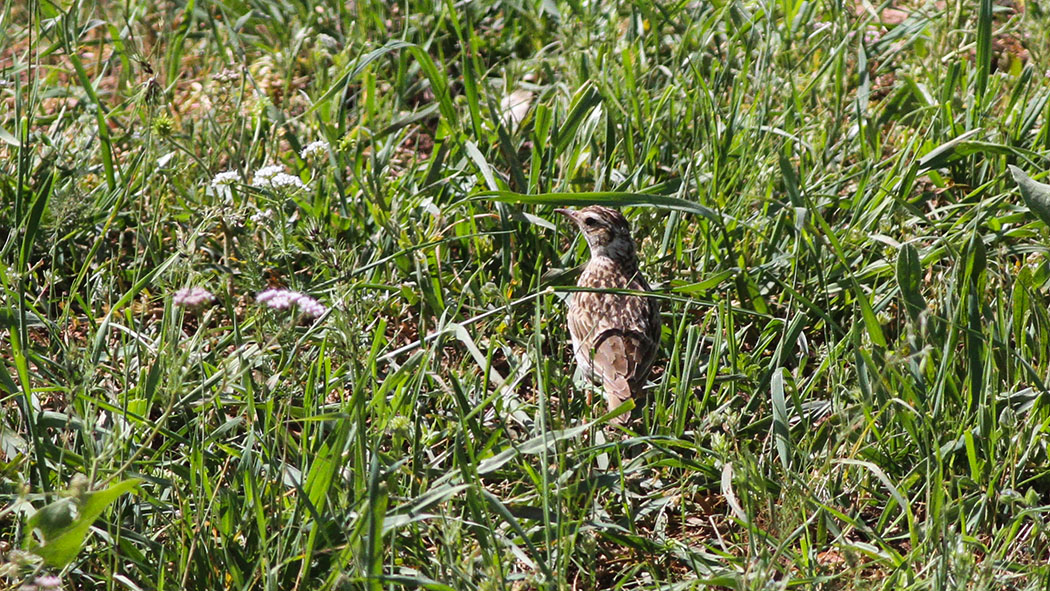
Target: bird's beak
571 214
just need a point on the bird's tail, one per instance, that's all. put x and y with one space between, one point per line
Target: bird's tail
617 391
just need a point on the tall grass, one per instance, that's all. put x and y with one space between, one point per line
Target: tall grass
852 387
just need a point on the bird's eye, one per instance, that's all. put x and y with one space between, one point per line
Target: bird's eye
591 222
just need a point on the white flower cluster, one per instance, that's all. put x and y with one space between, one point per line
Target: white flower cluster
286 181
274 177
318 148
262 216
283 299
263 175
226 178
191 297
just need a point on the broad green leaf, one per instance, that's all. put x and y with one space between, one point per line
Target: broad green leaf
1036 195
984 51
871 322
586 99
976 259
103 329
501 510
945 152
105 145
8 138
539 443
909 279
325 465
354 70
416 509
781 431
64 524
438 83
708 283
483 166
892 489
32 224
961 147
7 385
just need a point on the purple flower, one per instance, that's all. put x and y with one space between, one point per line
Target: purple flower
48 583
278 299
310 306
283 299
191 297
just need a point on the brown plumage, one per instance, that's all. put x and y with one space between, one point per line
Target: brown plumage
615 337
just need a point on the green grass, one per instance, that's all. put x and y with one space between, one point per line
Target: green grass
852 391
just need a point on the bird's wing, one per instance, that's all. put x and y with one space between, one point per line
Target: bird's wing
615 356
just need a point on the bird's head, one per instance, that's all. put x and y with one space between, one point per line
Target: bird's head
605 229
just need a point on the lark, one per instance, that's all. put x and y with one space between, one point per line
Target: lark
615 336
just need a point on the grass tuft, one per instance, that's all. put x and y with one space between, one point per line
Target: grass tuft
351 371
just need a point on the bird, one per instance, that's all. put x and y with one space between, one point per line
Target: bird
615 336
